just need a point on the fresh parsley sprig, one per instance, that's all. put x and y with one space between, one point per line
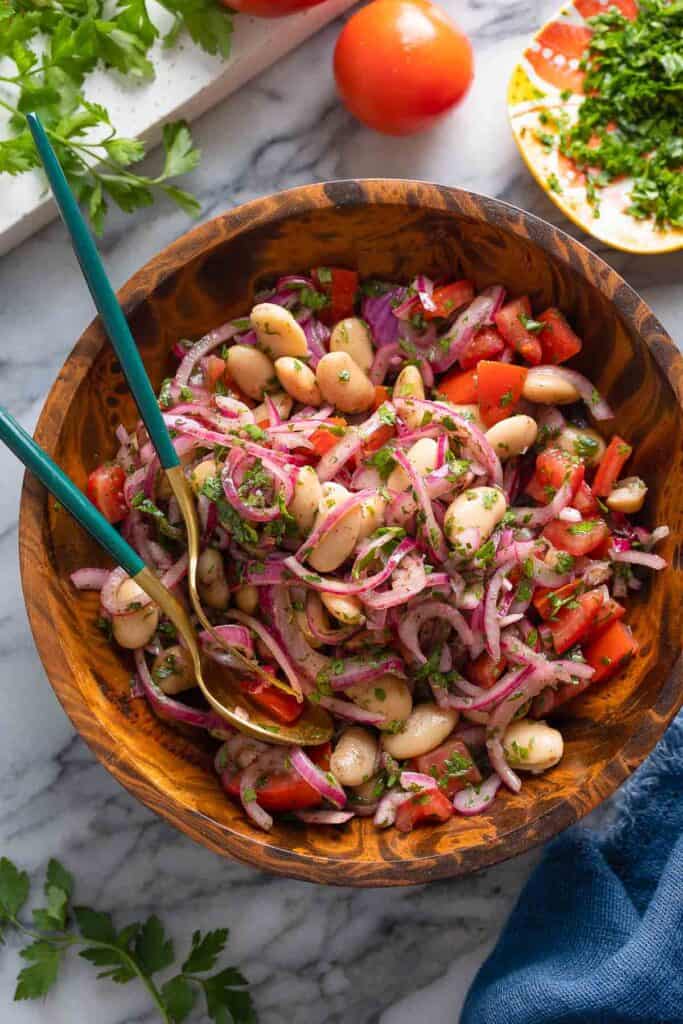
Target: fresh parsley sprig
53 46
140 950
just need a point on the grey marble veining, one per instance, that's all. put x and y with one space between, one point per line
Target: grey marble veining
315 956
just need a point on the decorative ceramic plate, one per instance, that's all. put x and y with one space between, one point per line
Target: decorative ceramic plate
546 87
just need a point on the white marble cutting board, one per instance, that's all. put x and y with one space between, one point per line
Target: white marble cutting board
188 82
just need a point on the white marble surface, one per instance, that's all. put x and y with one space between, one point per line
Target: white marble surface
319 956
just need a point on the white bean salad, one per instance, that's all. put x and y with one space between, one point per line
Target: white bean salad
409 517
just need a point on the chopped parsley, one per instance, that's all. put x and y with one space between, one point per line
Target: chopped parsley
148 508
553 183
344 376
383 461
529 324
564 562
505 399
585 446
386 415
631 121
587 526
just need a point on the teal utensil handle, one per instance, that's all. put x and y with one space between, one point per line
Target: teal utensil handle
105 300
66 492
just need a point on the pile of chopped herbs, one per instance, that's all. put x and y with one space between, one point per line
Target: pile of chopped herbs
631 122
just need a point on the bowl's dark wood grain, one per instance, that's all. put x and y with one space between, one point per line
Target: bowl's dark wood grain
389 229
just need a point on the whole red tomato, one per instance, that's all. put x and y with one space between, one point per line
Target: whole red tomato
401 64
269 8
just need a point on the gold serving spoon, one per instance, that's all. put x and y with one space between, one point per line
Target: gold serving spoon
224 693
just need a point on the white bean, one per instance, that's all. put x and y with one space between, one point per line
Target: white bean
483 507
172 670
136 628
344 608
211 582
246 598
545 386
343 383
277 332
319 619
307 495
201 473
512 436
628 495
352 336
421 455
251 370
372 515
354 759
409 384
282 402
582 442
298 380
532 746
387 696
427 726
339 542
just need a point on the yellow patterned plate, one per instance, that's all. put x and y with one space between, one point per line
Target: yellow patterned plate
546 88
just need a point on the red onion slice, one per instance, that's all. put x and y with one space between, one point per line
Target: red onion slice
248 799
500 718
406 585
109 595
589 393
325 817
279 654
433 534
463 330
410 626
326 584
475 799
362 671
323 782
417 781
166 707
330 521
90 579
234 635
645 558
385 815
534 517
352 712
201 348
337 457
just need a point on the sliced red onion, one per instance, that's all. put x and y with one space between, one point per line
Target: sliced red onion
491 620
279 654
171 709
134 484
475 799
323 782
433 533
201 348
352 712
385 815
645 558
547 577
360 587
417 781
277 601
578 669
534 682
109 595
593 399
314 613
264 574
410 579
333 460
410 626
362 672
248 782
283 487
330 521
232 407
317 336
233 635
177 572
534 517
325 817
506 685
90 579
497 293
570 515
469 435
378 312
382 361
659 533
463 330
592 572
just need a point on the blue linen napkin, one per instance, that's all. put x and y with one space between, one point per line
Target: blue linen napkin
597 935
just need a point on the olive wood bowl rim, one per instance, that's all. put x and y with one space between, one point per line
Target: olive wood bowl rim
191 245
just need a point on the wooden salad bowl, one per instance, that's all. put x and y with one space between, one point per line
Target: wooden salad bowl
386 229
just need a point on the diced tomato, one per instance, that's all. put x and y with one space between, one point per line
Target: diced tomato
584 501
610 650
427 806
381 396
214 368
324 438
548 601
510 322
451 765
575 620
341 287
589 8
486 344
105 490
450 297
378 438
558 341
284 791
610 612
549 700
560 38
499 389
576 538
460 388
283 706
484 671
611 465
554 467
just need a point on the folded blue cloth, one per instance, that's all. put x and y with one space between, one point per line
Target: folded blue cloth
597 935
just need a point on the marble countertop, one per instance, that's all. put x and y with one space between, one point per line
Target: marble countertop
314 955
